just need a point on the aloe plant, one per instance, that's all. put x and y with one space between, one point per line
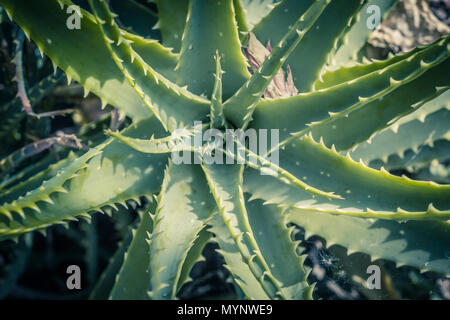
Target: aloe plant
341 122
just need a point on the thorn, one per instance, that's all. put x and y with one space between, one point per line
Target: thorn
432 208
8 13
41 52
104 103
43 232
394 128
55 68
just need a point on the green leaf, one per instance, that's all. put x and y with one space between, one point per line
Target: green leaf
424 126
162 60
240 107
134 16
153 145
421 244
47 188
241 19
255 10
309 111
225 182
235 263
184 207
172 19
357 35
32 182
45 23
137 18
116 175
269 225
194 255
333 76
270 168
416 159
308 59
275 23
133 279
197 60
173 106
216 115
365 192
360 125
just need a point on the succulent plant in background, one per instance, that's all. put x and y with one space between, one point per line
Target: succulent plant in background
240 64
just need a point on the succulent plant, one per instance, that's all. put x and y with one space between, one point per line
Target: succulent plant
294 66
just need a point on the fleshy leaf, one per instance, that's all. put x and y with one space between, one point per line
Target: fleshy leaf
422 127
421 244
93 66
211 27
308 59
184 207
239 108
99 185
226 185
172 19
356 37
175 107
309 111
365 192
133 279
